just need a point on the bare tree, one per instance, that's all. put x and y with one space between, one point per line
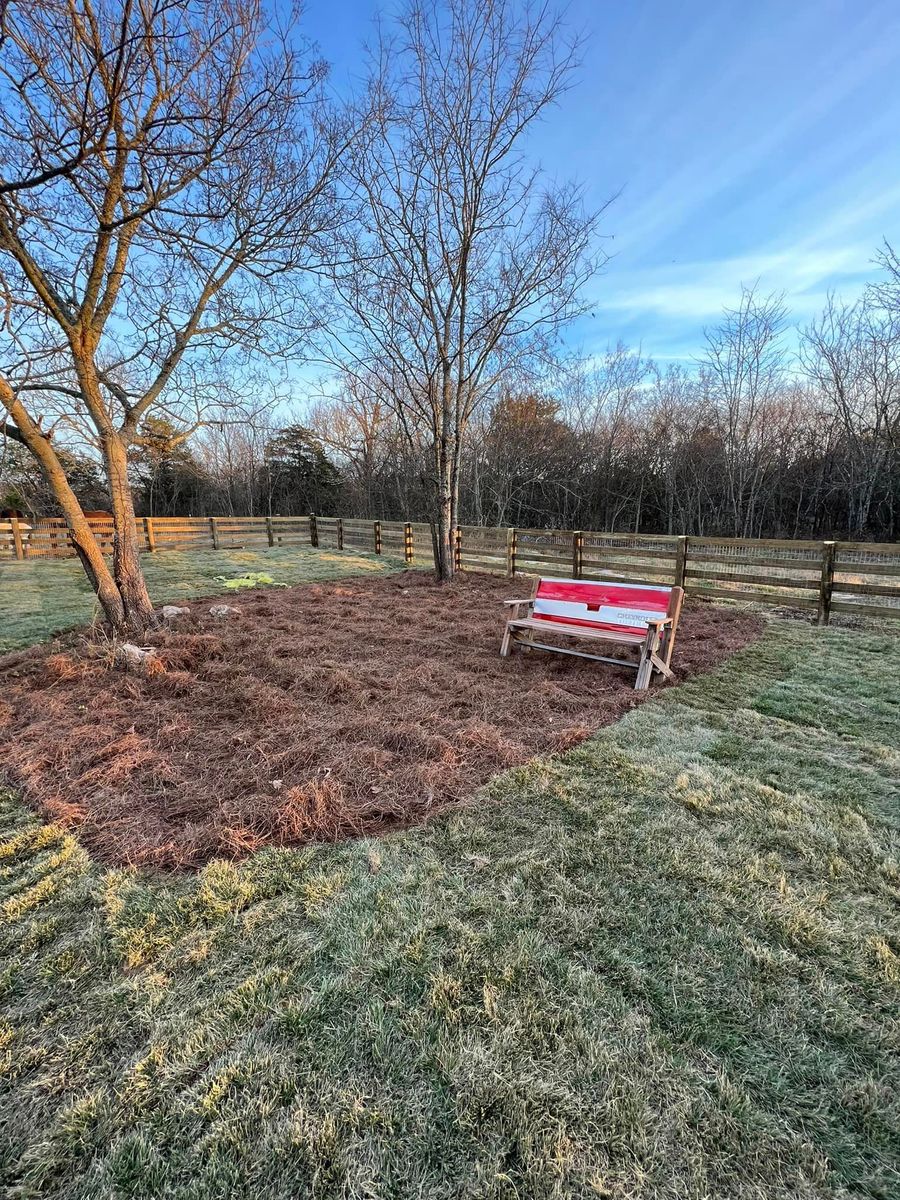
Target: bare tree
360 429
463 264
745 361
167 170
604 402
852 353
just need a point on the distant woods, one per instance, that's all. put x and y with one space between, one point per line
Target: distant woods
751 441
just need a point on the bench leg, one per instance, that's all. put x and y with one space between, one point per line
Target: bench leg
645 667
661 666
643 676
667 646
505 645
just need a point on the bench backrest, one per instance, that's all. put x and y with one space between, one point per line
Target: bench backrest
601 605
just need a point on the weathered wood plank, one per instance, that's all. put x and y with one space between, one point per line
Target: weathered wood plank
868 569
524 556
871 547
865 610
812 563
768 580
754 597
867 589
783 543
592 552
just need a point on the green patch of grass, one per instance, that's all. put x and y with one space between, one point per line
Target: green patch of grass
664 964
44 597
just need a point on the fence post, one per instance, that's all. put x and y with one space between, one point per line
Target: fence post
681 561
340 533
376 532
149 534
577 552
270 536
510 552
17 537
457 549
313 531
826 583
407 542
214 532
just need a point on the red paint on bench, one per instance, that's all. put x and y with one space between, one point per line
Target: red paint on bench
583 597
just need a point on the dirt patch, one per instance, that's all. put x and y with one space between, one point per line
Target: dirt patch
320 712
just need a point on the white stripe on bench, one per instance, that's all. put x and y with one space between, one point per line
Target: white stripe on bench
608 614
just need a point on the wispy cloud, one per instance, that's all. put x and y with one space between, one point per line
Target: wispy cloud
699 291
835 256
740 141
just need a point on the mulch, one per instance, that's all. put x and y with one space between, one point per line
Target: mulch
322 711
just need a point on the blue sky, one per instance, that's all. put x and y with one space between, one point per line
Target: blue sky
744 141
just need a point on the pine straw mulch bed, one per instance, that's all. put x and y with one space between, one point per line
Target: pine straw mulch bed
320 712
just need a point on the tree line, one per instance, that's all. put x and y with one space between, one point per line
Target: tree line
753 441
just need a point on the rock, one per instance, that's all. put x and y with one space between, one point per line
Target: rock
136 658
223 610
171 612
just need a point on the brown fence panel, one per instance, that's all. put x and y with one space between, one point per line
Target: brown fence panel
359 535
329 532
629 557
866 579
763 570
182 533
234 533
48 539
482 548
393 538
423 545
542 551
290 531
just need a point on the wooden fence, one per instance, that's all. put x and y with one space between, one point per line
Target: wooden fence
823 577
49 539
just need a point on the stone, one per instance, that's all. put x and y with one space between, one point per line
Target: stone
171 612
136 657
223 610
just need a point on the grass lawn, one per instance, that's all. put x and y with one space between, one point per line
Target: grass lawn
664 964
43 597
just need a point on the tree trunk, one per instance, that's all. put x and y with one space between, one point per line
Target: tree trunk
445 537
443 484
85 543
445 514
136 604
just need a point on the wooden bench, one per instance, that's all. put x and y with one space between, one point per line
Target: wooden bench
633 614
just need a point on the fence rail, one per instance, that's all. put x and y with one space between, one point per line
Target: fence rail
823 577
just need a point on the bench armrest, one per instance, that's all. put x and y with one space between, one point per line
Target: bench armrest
519 608
659 622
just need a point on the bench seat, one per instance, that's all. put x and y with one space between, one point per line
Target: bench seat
580 631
